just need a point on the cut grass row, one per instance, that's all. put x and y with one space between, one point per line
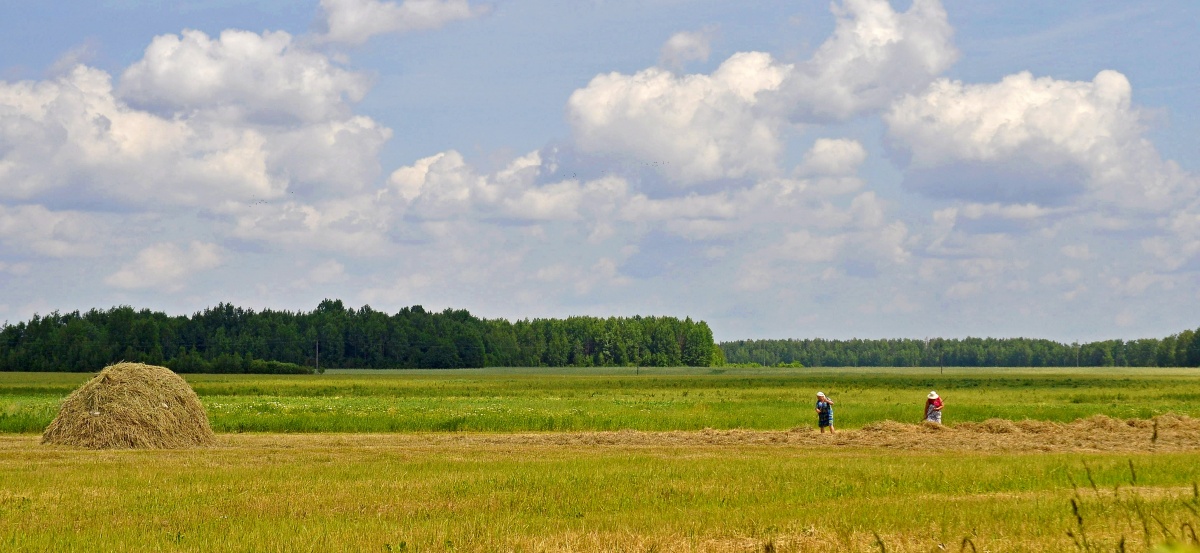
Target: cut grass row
397 492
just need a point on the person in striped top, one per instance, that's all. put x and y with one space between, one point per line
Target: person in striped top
824 412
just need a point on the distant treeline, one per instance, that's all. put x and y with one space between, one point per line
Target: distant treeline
1180 350
231 339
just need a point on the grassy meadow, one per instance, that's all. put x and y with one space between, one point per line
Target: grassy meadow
502 460
405 492
519 400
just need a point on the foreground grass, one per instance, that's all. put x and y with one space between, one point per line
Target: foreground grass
433 492
515 400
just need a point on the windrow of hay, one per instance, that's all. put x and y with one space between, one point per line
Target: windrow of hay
1098 433
131 406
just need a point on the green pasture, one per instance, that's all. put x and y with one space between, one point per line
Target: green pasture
517 400
394 492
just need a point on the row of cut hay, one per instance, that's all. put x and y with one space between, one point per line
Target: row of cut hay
1174 434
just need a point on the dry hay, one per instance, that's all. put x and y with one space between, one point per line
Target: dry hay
1097 433
131 406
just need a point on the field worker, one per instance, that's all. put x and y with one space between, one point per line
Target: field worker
933 408
824 412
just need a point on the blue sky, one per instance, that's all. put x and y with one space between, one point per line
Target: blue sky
860 168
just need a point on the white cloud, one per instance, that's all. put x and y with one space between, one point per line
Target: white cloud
686 46
327 271
247 118
356 225
874 55
241 75
1138 284
963 290
37 230
729 124
1004 211
804 247
584 280
693 127
1029 139
833 156
166 266
356 21
1179 244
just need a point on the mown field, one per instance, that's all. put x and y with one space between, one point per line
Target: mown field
537 460
398 492
516 400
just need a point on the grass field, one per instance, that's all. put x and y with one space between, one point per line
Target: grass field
565 460
516 400
398 492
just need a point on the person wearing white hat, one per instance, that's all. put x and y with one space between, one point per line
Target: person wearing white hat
824 412
933 408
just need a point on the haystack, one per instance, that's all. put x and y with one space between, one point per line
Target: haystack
131 405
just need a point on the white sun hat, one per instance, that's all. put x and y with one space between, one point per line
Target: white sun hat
820 394
933 395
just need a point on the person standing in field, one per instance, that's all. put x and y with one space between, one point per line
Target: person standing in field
824 412
933 408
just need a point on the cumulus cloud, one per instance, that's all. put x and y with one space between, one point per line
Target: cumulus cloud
166 266
687 46
833 156
729 124
695 127
204 130
874 55
257 77
1029 139
356 21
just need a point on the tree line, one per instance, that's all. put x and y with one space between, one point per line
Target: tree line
1178 350
230 339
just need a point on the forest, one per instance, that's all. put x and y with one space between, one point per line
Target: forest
230 339
1179 350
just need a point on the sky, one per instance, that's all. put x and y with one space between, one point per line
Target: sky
779 169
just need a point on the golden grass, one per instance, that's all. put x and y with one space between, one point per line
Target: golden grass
131 406
593 491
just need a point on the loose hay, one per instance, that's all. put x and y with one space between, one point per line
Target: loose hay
1099 433
131 406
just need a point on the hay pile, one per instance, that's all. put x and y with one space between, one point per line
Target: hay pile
131 405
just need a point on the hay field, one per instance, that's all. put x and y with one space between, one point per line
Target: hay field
618 491
674 460
520 400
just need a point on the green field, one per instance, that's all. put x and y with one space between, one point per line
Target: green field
516 400
522 460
